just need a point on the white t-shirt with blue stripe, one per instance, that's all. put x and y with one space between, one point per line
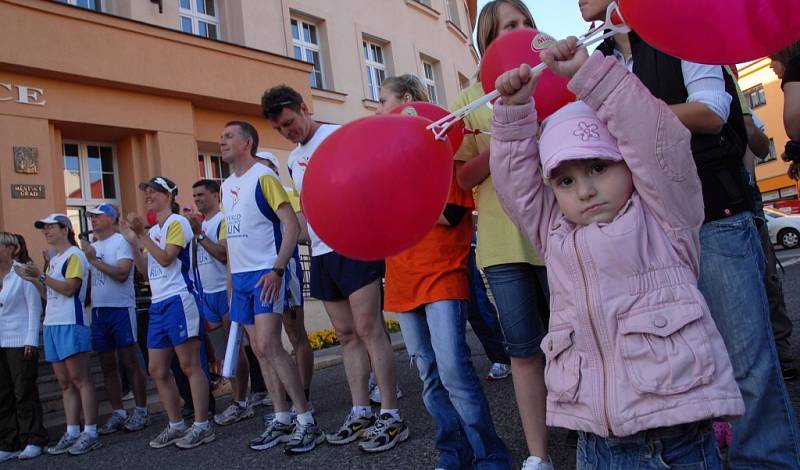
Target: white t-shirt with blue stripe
166 281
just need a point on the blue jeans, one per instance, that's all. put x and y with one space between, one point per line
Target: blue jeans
522 297
483 316
687 446
465 435
731 280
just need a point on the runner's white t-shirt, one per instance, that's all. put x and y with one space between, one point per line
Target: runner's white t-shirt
60 309
213 274
173 279
298 161
106 292
250 202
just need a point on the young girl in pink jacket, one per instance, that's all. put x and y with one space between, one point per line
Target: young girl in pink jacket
610 196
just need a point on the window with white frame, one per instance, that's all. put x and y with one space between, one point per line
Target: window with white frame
90 178
199 17
452 13
429 79
463 81
212 167
88 4
375 60
756 96
307 46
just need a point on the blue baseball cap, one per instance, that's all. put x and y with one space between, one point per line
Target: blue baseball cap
103 209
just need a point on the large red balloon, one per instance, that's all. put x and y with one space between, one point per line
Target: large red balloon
716 32
434 112
519 47
377 186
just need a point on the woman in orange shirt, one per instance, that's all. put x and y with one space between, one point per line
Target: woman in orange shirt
429 286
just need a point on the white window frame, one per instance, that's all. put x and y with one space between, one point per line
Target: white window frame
463 81
196 17
374 67
97 4
306 46
80 204
453 15
208 165
756 96
430 81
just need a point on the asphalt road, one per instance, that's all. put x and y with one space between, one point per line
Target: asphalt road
331 400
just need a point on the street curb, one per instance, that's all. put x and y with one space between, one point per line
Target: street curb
332 356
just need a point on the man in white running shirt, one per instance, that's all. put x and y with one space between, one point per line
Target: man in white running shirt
262 234
350 290
114 326
212 279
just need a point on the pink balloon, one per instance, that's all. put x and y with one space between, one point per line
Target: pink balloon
519 47
715 32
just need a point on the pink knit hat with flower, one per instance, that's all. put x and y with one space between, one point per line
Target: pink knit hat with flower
574 132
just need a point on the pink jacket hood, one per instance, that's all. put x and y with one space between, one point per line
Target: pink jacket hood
631 343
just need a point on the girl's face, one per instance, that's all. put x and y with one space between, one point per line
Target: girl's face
7 253
778 68
54 234
593 10
389 100
155 200
592 190
509 18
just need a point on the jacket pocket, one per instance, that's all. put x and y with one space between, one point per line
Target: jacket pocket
562 373
665 348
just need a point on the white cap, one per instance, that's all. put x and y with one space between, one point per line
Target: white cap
61 219
270 157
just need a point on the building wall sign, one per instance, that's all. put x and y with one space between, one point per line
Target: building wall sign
26 160
27 191
22 94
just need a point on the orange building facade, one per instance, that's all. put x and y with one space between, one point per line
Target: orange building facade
91 104
98 95
762 89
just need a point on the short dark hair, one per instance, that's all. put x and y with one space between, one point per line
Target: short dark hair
787 53
211 185
248 132
278 97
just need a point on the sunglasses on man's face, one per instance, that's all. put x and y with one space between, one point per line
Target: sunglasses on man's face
279 106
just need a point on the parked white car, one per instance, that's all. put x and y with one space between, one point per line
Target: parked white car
784 229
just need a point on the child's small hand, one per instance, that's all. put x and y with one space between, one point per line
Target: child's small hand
516 86
565 58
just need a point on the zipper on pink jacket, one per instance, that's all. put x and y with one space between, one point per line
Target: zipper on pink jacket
594 330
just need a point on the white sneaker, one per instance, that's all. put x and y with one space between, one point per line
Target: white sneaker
375 394
30 452
498 371
536 463
6 455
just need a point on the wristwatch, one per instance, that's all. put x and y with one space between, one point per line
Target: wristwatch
201 237
279 271
42 277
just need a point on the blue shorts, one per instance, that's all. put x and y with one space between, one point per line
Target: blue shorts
63 341
246 297
113 328
335 277
294 284
173 321
214 306
522 297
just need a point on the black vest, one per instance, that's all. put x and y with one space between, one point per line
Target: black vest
718 157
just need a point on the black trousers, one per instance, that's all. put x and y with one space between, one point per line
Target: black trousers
20 409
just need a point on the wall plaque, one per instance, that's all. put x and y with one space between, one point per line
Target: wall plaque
26 160
27 191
